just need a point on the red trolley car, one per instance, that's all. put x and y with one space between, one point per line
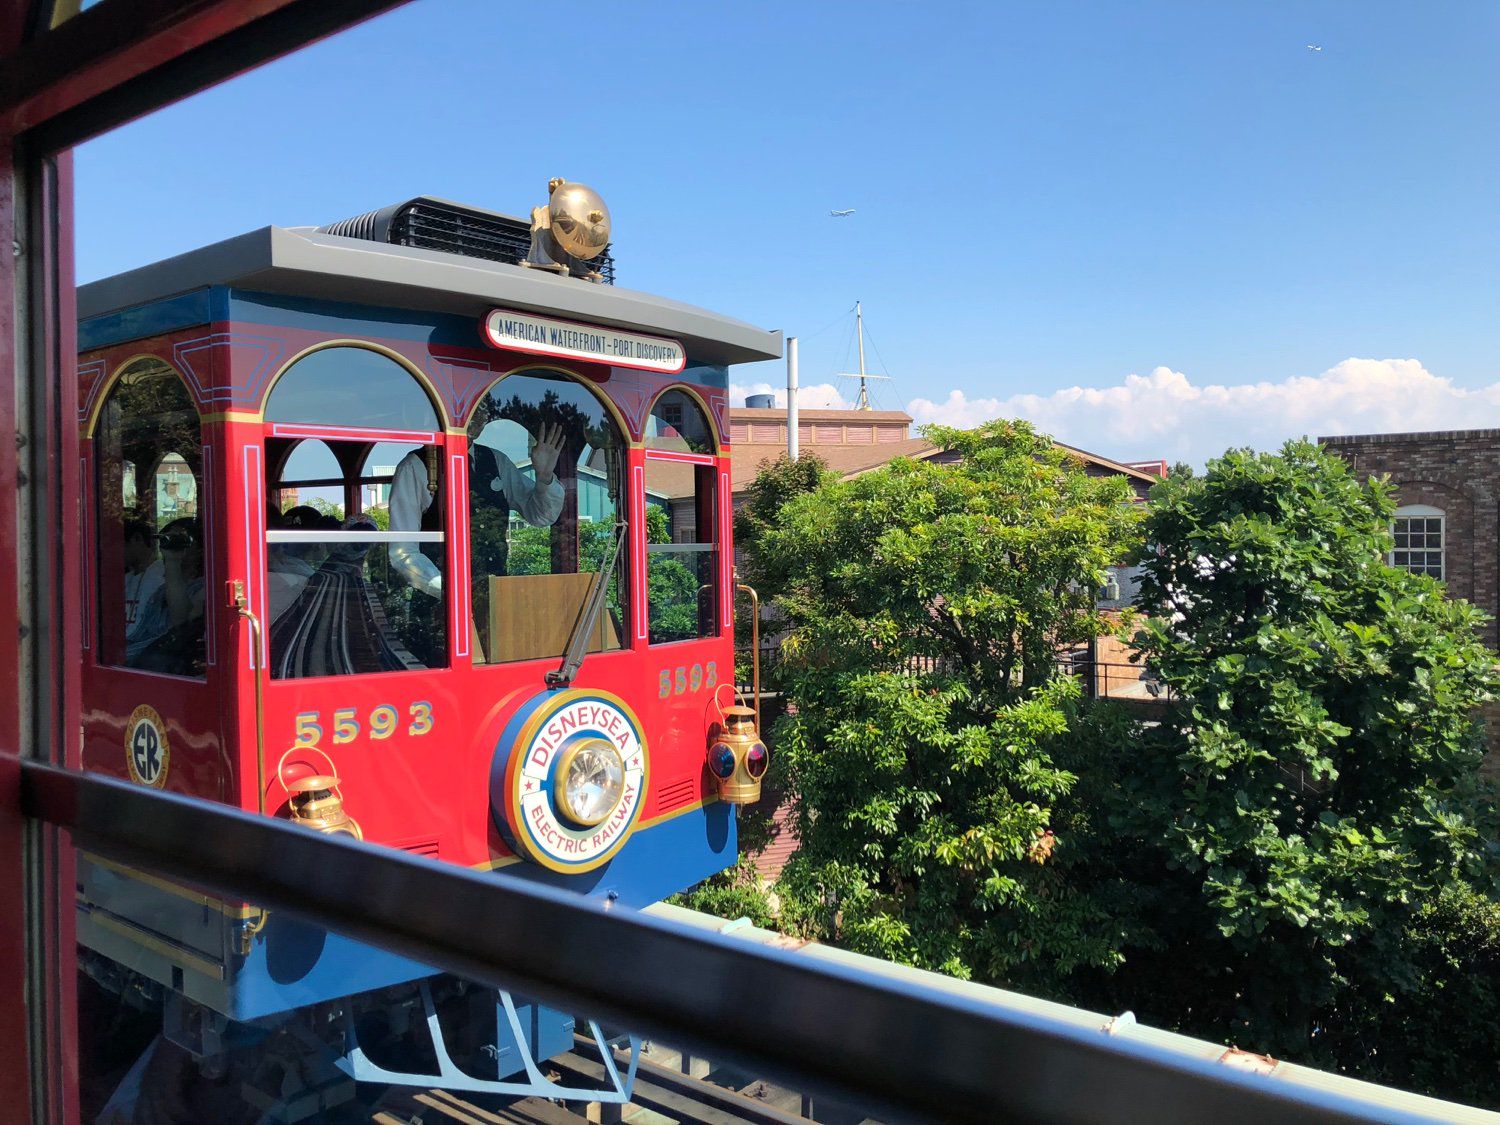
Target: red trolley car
392 535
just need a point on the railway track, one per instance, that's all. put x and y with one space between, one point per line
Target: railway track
664 1092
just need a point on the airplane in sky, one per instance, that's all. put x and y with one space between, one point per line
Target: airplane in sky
1313 47
841 214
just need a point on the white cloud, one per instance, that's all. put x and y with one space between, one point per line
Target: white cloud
1165 414
817 396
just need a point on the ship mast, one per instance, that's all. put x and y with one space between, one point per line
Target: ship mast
863 402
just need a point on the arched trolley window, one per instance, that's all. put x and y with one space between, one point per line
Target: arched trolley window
355 554
682 558
148 459
546 517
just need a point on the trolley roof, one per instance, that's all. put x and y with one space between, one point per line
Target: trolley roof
299 261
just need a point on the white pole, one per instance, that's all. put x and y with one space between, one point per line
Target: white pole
859 322
791 397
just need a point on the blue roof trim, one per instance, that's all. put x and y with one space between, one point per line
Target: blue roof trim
219 303
186 310
316 315
707 375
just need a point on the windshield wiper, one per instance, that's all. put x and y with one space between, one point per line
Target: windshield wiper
583 628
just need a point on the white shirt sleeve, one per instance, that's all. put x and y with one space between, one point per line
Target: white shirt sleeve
539 505
410 498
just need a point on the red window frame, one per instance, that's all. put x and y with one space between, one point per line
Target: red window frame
69 75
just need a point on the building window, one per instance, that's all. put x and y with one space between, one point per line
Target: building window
1418 539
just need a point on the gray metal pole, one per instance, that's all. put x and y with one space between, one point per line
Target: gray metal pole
791 397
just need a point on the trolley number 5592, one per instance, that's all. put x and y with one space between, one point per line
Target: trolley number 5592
384 721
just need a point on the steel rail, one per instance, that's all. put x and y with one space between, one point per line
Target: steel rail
908 1051
678 1096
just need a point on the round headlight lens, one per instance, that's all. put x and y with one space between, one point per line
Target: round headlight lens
721 761
756 760
592 778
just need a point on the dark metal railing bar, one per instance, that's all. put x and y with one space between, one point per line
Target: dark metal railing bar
126 58
908 1050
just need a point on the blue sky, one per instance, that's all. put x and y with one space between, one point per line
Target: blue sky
1157 228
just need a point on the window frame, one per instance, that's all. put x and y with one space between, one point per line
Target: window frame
713 546
1423 512
626 565
73 77
454 557
90 562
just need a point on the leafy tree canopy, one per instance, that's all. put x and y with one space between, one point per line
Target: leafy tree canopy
924 604
1315 791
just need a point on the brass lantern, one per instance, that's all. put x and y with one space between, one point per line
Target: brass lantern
738 758
316 801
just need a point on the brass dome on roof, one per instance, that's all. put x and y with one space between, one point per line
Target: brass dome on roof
579 220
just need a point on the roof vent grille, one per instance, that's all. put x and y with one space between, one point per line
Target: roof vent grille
452 228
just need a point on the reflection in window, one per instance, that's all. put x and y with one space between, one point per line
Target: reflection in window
678 423
681 562
148 465
350 386
354 558
545 517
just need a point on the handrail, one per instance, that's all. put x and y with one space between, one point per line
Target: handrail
905 1049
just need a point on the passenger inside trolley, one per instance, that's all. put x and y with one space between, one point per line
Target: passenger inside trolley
534 563
356 536
168 633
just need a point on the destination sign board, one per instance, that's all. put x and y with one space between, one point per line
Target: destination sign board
566 339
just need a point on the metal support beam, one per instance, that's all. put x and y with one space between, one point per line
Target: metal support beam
125 58
905 1050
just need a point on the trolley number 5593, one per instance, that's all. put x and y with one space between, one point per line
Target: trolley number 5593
684 679
384 721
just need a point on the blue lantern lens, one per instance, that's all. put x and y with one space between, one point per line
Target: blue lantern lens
721 761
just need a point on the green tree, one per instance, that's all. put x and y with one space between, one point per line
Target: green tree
1313 799
924 606
774 486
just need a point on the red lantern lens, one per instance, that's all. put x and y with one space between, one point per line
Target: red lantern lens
756 760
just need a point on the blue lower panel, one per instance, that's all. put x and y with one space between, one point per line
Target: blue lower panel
195 949
668 857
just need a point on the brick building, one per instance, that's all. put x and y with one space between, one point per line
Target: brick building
856 441
1448 516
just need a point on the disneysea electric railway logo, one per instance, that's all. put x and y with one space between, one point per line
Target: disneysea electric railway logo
570 779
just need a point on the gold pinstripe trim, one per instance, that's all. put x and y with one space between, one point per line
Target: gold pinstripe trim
439 409
526 369
171 950
113 378
693 393
233 416
177 889
662 818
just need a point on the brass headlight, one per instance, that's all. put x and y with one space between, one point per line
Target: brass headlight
590 782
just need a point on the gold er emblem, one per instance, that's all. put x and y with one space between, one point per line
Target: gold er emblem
147 751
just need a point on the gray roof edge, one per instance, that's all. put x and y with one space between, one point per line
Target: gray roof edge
292 261
195 269
534 290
